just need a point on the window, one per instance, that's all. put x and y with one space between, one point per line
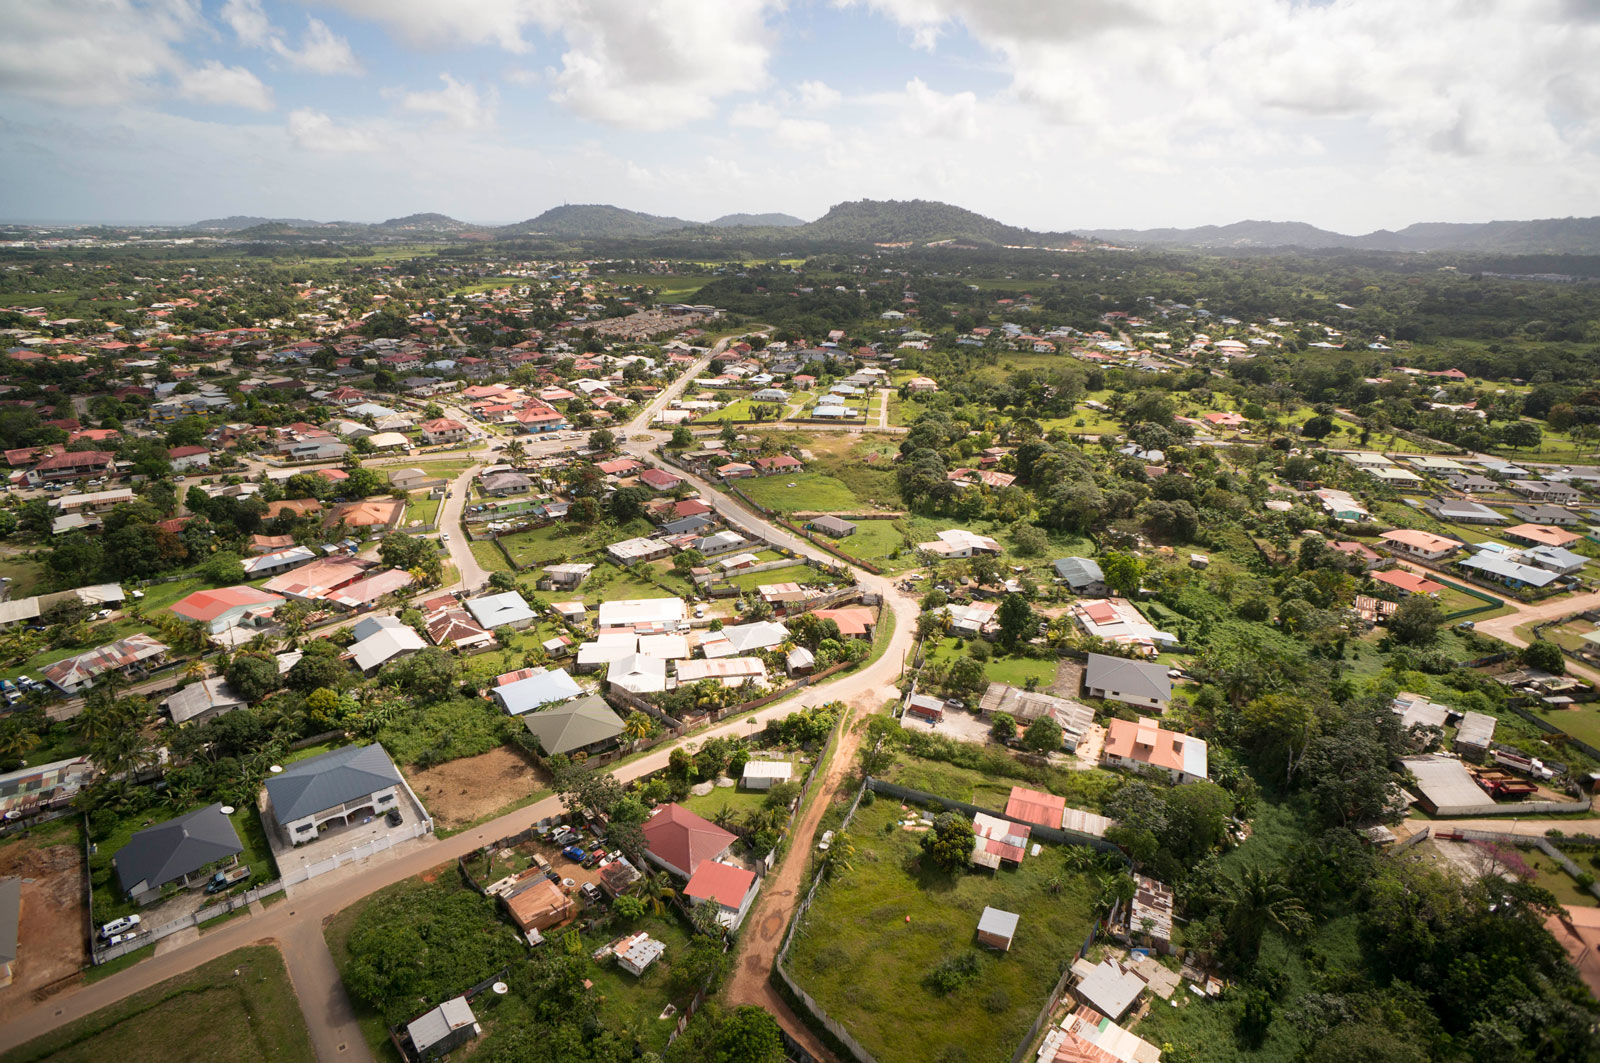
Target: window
303 828
385 799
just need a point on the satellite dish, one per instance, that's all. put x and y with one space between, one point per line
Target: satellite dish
227 810
276 769
500 988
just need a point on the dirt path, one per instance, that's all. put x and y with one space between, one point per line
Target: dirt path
780 895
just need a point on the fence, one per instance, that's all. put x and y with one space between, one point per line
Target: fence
99 955
1025 1046
309 871
809 1008
1521 841
1549 728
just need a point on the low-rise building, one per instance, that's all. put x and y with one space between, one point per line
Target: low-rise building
183 851
731 889
679 841
1142 684
134 655
1423 545
332 790
1138 744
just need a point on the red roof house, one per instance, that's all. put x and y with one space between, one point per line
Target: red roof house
681 841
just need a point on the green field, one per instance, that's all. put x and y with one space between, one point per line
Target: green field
738 801
813 492
239 1008
421 508
874 934
1000 669
566 541
991 788
27 577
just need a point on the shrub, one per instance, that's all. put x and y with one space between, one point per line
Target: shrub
952 973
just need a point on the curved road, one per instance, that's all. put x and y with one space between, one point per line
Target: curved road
295 925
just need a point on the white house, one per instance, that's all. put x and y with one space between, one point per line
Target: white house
332 790
730 888
762 774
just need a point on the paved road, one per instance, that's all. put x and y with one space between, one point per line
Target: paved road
1505 627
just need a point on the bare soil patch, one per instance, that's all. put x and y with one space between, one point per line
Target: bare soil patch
52 948
463 791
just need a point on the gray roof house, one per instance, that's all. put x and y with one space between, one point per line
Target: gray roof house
833 527
333 789
202 700
1543 514
180 850
10 925
1142 684
446 1027
1082 574
536 691
1462 510
585 725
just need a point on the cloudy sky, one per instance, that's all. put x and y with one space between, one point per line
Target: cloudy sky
1055 114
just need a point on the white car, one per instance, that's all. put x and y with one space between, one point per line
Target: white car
119 926
827 840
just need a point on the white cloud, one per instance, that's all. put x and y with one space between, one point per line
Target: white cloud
228 86
790 132
817 95
627 64
90 52
457 103
321 51
315 131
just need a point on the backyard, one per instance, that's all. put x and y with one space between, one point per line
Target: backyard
989 786
875 935
109 901
239 1008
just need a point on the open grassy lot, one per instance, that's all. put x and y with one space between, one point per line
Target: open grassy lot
487 554
813 492
880 542
109 901
875 933
564 540
27 577
991 789
420 508
239 1008
1557 881
999 668
738 801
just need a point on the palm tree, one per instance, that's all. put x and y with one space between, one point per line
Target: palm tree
1260 899
18 742
195 669
657 888
637 727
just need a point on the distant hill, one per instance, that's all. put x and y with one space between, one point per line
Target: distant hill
240 222
762 221
1560 236
595 220
436 223
921 221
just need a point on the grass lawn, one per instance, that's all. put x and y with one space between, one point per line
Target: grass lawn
238 1008
877 541
739 802
109 901
421 508
1001 669
813 492
992 789
1557 881
545 545
27 577
488 555
874 934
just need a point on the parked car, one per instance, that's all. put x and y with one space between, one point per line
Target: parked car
119 926
228 877
392 817
827 840
575 853
117 939
591 893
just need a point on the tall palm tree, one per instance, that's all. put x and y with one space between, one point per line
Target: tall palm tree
657 888
1259 899
195 669
637 727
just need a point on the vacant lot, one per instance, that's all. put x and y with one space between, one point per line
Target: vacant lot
239 1008
50 863
874 935
990 786
464 791
813 492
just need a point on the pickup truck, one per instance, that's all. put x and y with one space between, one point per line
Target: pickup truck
229 877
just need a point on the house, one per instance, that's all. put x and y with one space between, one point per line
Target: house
1142 684
536 691
1036 807
722 542
997 841
537 904
1546 491
133 655
1443 785
1025 706
1407 582
730 888
1118 620
365 593
1470 482
660 480
443 430
506 609
780 463
1350 548
800 661
381 639
331 790
1108 987
586 725
450 625
1555 558
184 459
228 607
958 542
1423 545
368 513
408 479
743 638
184 851
618 468
1081 575
832 527
314 581
1542 514
1475 733
680 841
1150 913
436 1033
921 384
202 701
632 551
564 577
278 561
665 614
855 622
1139 744
997 928
735 470
499 484
762 774
636 952
1514 574
1415 710
1541 535
729 671
1341 505
1462 511
925 707
72 465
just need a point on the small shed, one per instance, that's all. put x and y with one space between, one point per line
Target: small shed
763 774
635 954
928 708
997 928
446 1027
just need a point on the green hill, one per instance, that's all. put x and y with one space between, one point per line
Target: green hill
924 222
578 220
759 221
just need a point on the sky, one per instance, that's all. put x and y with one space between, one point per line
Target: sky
1052 114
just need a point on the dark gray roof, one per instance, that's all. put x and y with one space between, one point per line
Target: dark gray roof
323 781
574 725
10 917
168 851
684 525
1137 678
833 525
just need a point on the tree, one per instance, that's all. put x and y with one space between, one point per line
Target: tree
1015 619
1259 899
1317 427
223 570
682 437
252 675
603 440
948 846
1416 622
1043 735
429 674
1123 572
1544 655
1030 540
1004 727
